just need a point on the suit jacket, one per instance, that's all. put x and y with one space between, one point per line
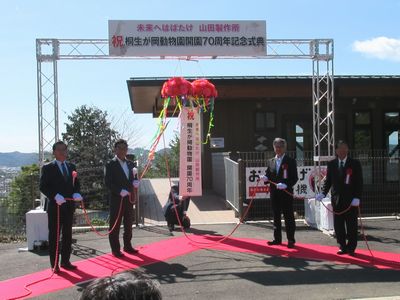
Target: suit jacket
277 176
342 192
52 181
115 178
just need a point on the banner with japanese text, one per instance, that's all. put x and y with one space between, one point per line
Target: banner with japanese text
190 153
307 177
304 186
187 38
255 189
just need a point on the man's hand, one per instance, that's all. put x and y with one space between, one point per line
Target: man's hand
77 197
264 178
319 197
124 193
136 184
355 202
183 198
281 186
59 199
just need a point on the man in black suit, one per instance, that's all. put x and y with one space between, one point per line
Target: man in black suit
282 170
121 180
344 180
57 182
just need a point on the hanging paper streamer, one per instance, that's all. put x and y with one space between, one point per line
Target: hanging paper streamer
178 92
204 93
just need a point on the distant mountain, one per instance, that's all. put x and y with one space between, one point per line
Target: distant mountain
17 159
164 150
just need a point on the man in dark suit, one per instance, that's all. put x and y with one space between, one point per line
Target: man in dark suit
121 180
344 180
282 170
57 182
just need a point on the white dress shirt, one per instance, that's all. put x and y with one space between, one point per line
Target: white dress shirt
124 166
278 161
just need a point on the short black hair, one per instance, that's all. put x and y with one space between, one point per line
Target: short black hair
59 143
120 142
340 143
129 285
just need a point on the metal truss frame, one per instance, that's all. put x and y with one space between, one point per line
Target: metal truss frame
320 51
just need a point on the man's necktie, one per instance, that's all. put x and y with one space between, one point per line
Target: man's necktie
341 168
64 171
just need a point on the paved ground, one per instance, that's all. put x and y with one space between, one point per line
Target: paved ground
213 274
206 209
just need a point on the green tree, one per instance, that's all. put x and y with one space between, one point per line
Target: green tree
24 190
170 155
90 140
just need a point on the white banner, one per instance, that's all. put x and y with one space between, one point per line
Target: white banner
304 186
307 176
188 38
254 190
190 153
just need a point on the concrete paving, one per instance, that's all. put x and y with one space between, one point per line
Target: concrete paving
206 209
215 274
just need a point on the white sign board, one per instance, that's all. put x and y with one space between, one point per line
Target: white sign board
255 189
217 142
303 188
190 153
186 38
306 183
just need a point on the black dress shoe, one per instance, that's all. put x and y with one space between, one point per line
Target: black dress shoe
352 253
341 252
68 266
290 245
118 254
274 242
131 250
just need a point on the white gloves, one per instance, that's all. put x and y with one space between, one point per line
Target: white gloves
59 199
124 193
77 197
136 184
182 198
355 202
319 197
281 186
264 178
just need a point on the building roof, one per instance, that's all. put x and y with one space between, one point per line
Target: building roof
144 92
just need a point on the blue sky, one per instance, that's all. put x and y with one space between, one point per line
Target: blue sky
366 36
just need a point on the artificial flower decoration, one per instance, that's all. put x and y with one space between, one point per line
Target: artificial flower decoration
204 93
202 88
176 87
179 92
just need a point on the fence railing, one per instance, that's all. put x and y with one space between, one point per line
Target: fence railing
381 173
232 184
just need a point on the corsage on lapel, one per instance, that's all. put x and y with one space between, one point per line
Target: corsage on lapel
285 171
349 172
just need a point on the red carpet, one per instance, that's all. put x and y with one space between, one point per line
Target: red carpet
104 265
